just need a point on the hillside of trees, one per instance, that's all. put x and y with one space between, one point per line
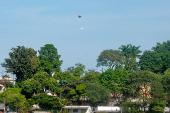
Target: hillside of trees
125 79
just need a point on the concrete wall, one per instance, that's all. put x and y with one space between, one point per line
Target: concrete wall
89 110
78 110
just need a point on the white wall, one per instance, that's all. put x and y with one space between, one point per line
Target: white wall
79 109
107 108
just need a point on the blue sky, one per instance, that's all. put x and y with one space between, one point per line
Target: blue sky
107 24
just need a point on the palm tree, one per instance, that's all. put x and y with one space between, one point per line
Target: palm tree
135 52
125 50
130 51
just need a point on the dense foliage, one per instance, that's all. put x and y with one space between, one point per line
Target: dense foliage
157 60
22 62
135 86
49 59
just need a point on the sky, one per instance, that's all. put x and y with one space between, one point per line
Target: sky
107 24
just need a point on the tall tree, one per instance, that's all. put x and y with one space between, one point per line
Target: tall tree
166 86
70 69
135 52
126 50
130 53
161 58
113 79
143 87
49 58
164 51
79 70
151 61
22 62
97 94
110 58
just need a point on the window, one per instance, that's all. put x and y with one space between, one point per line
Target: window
75 110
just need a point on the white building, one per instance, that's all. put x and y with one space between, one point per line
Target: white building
78 109
108 109
2 87
8 79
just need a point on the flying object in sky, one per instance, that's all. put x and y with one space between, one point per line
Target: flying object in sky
79 16
81 28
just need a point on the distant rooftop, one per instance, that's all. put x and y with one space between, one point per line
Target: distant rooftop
7 78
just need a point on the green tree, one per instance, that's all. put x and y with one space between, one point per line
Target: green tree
40 83
130 53
79 70
49 59
135 52
126 50
64 76
113 79
130 107
97 94
143 85
13 98
90 77
70 87
110 58
79 93
47 102
157 106
167 72
166 87
52 85
73 94
22 62
158 60
30 86
81 90
70 69
164 51
151 61
47 83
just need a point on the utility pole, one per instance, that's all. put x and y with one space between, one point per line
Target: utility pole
4 106
16 109
2 73
13 79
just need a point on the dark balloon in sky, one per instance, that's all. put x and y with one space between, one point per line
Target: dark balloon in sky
79 16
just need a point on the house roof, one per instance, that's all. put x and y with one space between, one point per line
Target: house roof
76 107
11 79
